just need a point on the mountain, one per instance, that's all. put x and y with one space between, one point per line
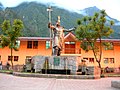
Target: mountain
91 10
35 18
1 7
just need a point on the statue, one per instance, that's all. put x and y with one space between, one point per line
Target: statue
58 37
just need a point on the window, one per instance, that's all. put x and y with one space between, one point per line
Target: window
9 58
32 44
29 44
69 48
47 44
16 58
91 60
111 60
35 44
18 43
70 42
106 60
85 58
108 46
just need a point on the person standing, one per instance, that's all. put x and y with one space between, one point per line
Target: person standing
7 66
84 67
0 65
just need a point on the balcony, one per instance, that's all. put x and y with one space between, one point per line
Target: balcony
71 51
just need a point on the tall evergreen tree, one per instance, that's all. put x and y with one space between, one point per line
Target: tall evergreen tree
11 32
91 29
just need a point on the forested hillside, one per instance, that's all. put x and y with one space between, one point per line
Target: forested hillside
35 18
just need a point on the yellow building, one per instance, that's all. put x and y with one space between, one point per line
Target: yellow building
31 46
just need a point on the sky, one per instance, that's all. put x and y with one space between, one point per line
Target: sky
111 6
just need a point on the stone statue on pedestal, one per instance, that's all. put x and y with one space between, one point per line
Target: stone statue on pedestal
58 37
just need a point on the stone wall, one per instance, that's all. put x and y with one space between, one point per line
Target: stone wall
62 62
94 70
16 68
55 62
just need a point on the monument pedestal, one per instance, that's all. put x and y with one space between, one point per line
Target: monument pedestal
59 63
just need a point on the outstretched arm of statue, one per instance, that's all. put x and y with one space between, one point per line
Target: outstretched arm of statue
69 30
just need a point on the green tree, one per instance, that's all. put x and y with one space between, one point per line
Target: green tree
90 30
11 32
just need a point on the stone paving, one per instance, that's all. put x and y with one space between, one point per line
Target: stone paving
10 82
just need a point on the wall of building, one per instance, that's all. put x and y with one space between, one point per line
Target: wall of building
23 52
115 54
41 50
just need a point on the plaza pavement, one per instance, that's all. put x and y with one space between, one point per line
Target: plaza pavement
10 82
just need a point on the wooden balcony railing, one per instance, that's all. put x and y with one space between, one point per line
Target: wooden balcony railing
72 51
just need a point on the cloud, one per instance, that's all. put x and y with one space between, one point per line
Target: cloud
111 6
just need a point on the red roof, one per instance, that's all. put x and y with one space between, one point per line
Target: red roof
70 36
34 38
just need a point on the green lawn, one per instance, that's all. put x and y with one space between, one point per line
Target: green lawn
6 71
110 75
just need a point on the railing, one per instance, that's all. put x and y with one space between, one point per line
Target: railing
72 51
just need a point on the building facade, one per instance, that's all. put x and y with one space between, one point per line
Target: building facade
32 46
